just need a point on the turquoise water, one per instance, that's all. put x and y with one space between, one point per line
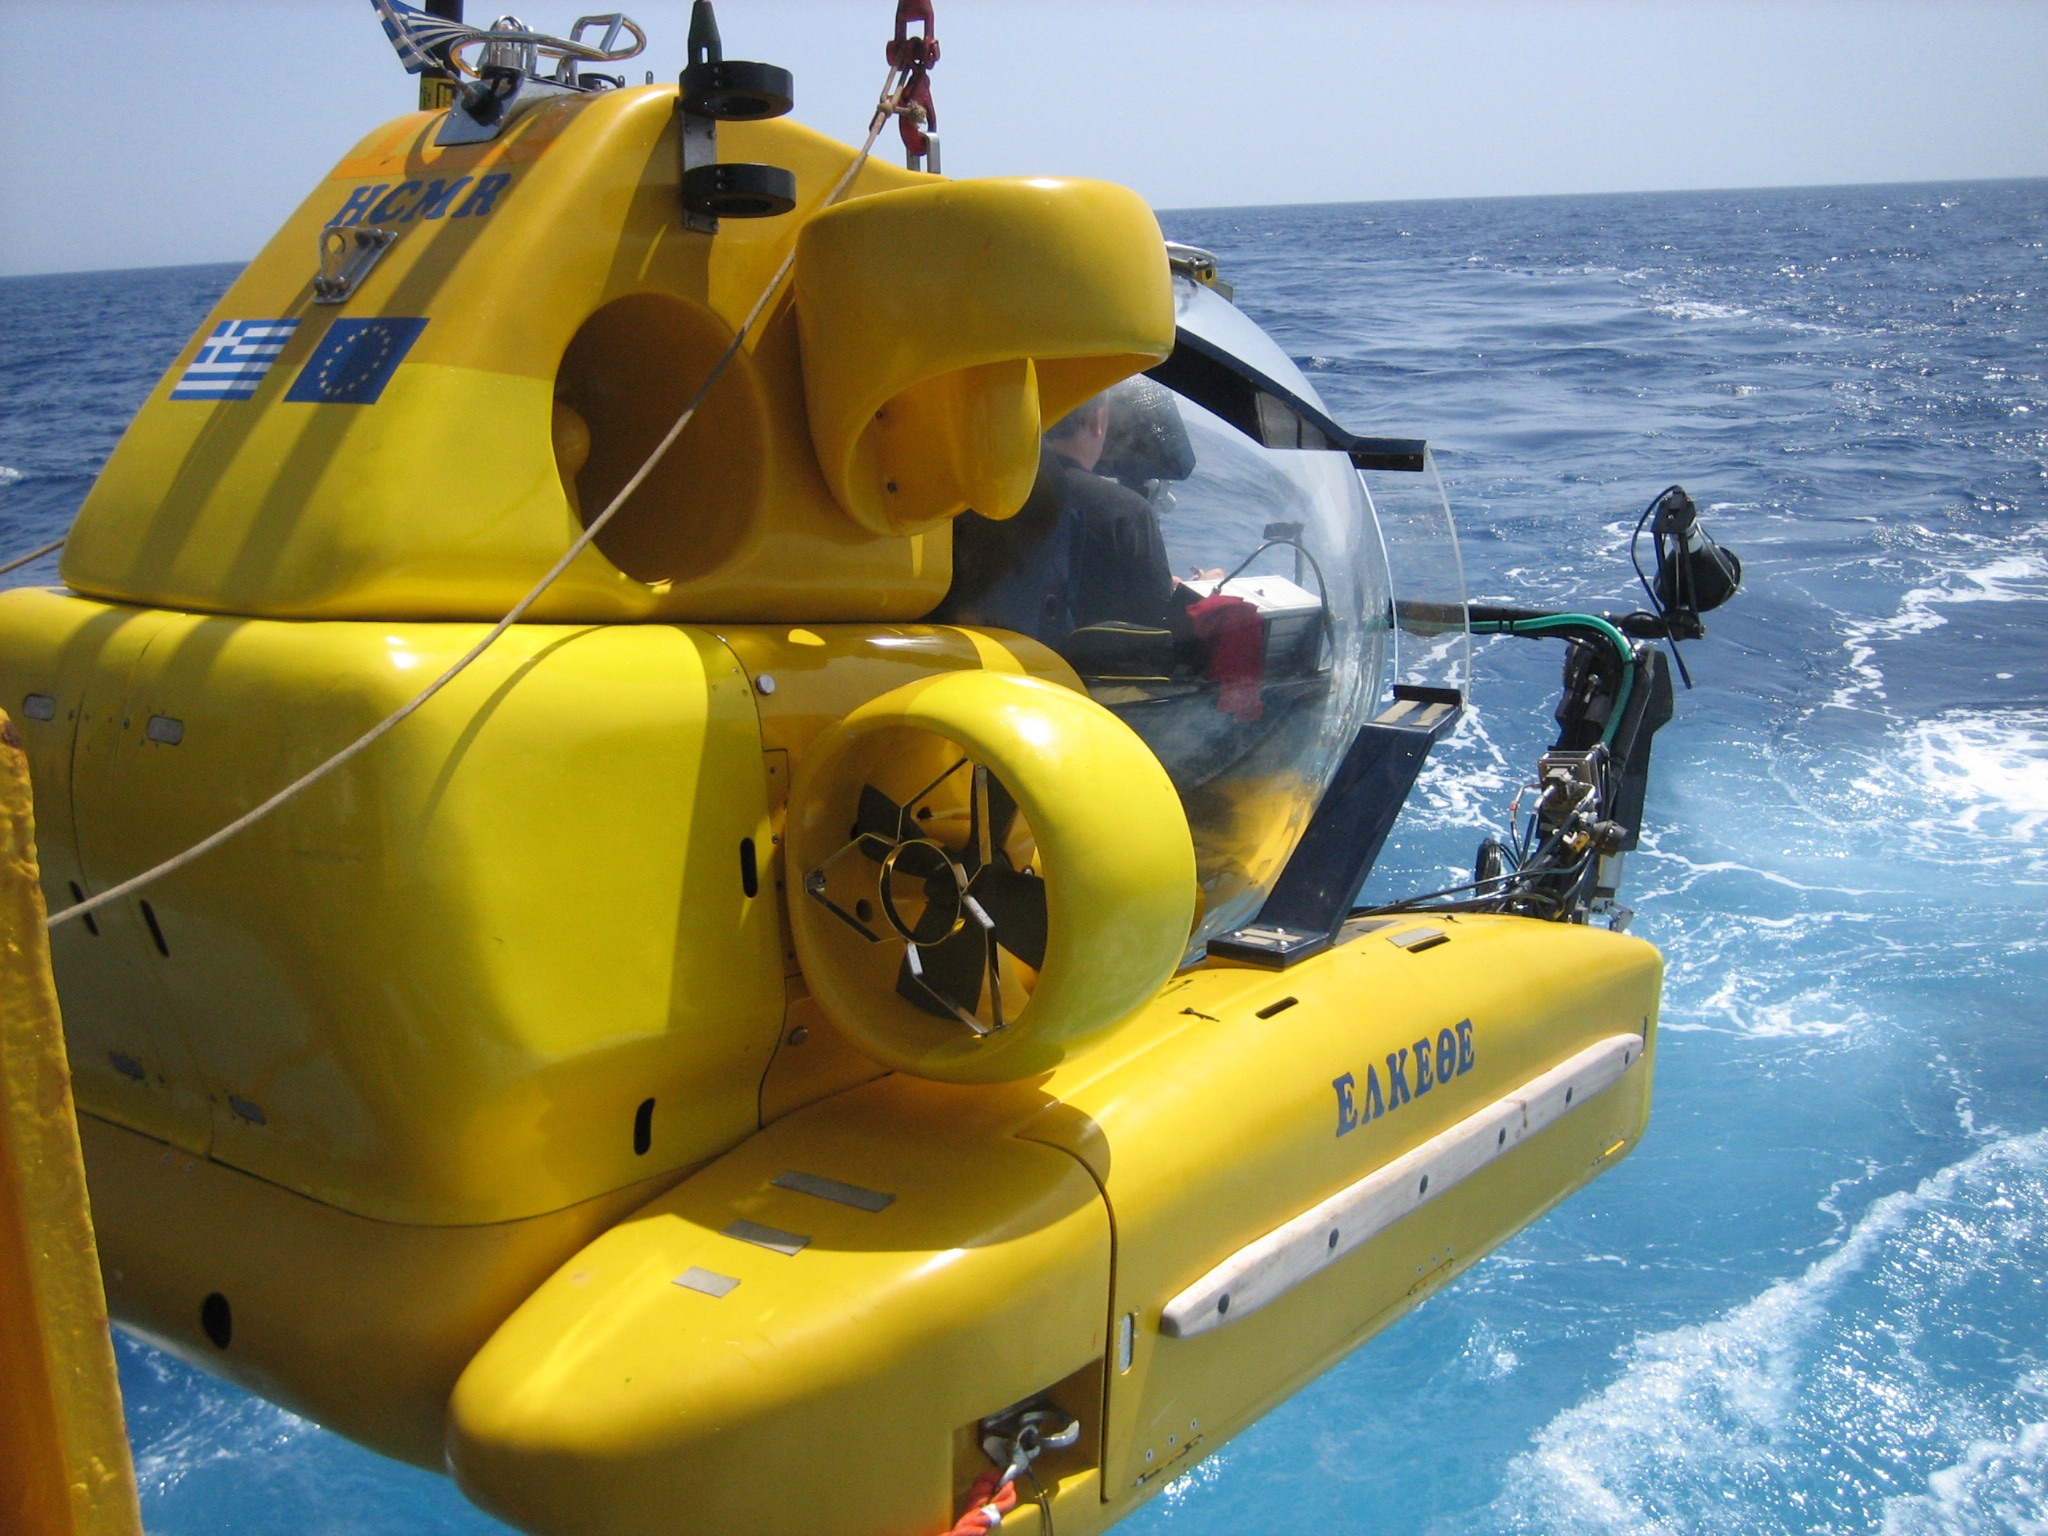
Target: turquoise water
1816 1299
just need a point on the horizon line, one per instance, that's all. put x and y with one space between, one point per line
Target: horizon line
1361 202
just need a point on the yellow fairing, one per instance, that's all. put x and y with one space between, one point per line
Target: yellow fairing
820 1392
1111 845
694 1367
551 318
442 497
438 986
358 1324
942 324
1250 1137
125 1049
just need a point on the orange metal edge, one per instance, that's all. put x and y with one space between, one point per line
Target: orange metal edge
65 1468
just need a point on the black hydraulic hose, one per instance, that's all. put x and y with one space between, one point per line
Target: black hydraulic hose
1669 633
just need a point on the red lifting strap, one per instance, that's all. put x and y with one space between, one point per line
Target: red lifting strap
989 1490
915 56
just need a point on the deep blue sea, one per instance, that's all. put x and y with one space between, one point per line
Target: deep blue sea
1816 1299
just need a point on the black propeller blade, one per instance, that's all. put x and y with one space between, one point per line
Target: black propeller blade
947 974
1002 812
878 823
954 969
1015 903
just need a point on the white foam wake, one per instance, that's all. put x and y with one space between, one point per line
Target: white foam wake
1467 783
1893 1385
1698 309
2013 577
1993 768
1966 788
1999 1486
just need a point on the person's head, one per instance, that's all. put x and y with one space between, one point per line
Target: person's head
1078 435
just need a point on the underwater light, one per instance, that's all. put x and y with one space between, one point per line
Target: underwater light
1694 574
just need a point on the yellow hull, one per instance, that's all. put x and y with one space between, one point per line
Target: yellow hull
1038 1230
1029 1221
1036 1234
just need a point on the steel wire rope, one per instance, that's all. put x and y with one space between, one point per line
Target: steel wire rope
885 108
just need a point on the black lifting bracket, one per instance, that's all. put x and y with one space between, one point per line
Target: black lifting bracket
716 88
1313 896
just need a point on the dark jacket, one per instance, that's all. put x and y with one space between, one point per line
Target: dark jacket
1082 550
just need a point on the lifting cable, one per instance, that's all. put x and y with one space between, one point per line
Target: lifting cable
886 107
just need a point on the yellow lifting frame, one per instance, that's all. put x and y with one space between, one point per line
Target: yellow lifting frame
65 1468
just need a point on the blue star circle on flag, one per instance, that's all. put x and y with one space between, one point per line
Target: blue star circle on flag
354 361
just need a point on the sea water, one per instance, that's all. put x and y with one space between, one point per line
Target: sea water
1816 1298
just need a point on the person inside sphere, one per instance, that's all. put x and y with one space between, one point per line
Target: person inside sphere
1082 550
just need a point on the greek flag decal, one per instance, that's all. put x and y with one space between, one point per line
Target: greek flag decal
419 36
354 361
233 360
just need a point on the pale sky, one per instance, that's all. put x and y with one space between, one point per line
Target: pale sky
154 134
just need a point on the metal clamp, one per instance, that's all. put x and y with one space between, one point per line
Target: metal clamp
714 88
1016 1437
346 256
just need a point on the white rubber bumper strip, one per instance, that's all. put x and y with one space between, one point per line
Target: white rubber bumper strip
1268 1269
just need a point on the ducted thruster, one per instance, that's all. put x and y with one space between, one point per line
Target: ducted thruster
987 870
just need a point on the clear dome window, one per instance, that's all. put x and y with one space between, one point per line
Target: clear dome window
1228 601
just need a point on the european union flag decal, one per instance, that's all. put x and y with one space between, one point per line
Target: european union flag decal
354 361
231 362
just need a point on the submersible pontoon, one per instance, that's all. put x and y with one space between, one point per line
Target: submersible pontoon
853 1009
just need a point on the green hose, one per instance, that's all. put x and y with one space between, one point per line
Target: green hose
1590 621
